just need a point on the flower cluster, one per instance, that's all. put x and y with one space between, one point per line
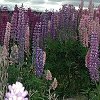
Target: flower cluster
39 62
21 35
7 35
52 86
49 77
16 92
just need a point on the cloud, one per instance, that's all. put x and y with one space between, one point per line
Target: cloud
77 2
57 0
43 4
52 3
37 2
16 1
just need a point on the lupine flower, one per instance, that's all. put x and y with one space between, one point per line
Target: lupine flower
93 57
3 71
36 35
3 56
39 62
54 84
7 35
84 31
14 54
49 26
14 21
44 22
52 26
48 75
44 57
4 51
16 92
21 35
3 22
27 35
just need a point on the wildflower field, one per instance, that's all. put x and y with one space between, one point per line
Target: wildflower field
51 55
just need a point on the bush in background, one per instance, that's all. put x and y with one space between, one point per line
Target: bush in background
66 61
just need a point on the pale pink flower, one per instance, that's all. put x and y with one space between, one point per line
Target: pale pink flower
44 57
4 51
48 75
27 35
54 84
7 35
3 56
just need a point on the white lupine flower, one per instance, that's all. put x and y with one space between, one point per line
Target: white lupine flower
16 92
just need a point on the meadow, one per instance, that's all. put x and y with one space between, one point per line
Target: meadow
51 55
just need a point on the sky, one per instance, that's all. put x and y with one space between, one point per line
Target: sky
44 4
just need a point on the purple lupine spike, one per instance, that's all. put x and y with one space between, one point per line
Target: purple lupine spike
36 41
61 18
44 28
66 13
93 57
21 35
14 21
52 26
44 22
75 20
39 62
33 49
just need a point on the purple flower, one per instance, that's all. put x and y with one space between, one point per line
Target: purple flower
39 62
93 58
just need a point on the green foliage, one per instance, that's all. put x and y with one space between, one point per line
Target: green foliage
13 73
66 61
38 88
94 93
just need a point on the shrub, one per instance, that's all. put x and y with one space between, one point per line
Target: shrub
66 61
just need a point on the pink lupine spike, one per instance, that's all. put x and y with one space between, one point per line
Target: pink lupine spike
7 35
44 57
27 35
